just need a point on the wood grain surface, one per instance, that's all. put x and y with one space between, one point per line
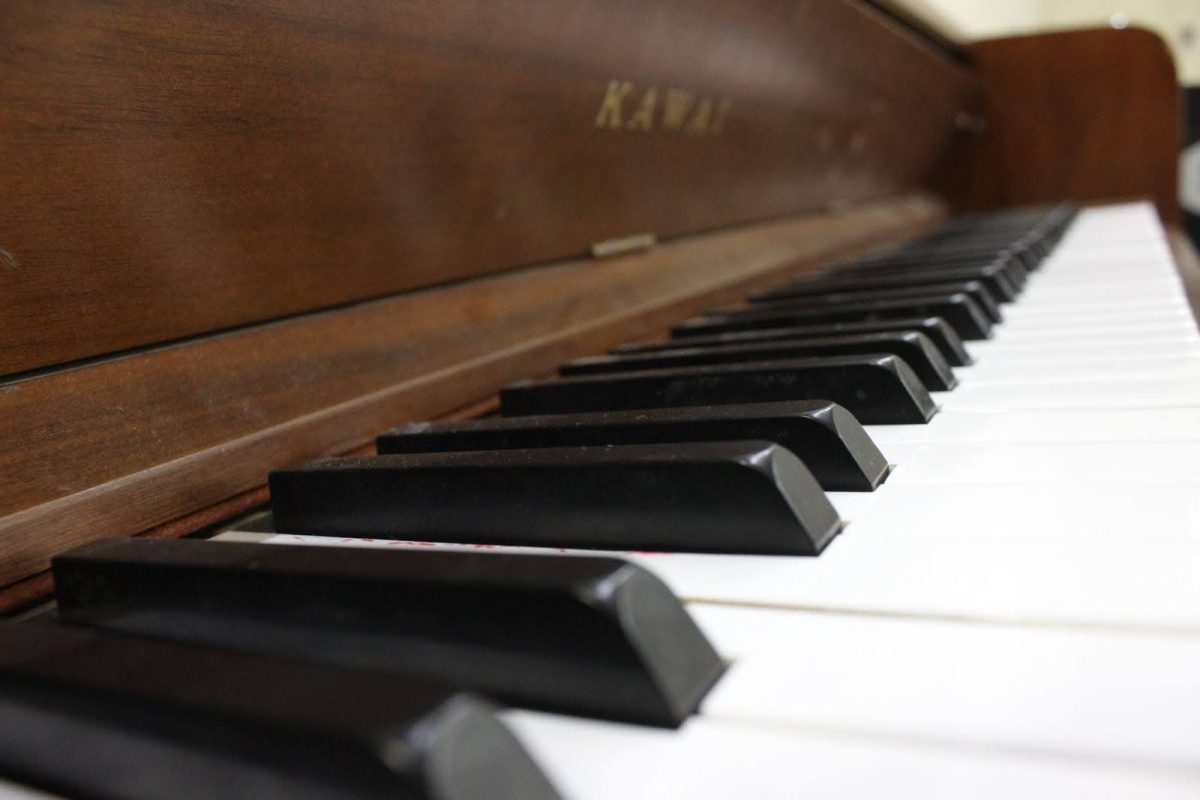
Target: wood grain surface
176 168
125 445
1091 115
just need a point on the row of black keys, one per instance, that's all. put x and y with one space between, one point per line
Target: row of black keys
702 443
200 669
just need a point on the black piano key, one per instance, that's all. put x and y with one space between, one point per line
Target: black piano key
825 436
1008 268
877 389
993 276
975 238
958 310
577 635
90 714
727 497
917 255
916 350
1020 252
974 244
982 296
948 343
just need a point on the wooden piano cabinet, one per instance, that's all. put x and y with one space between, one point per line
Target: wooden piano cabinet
128 445
173 169
238 234
1088 115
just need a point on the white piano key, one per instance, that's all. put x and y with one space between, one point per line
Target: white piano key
1054 314
1089 268
1095 334
1157 285
1070 307
1114 369
1089 260
1132 584
1085 355
1093 255
1061 313
1142 288
1052 425
1023 514
714 760
1098 695
851 505
1116 463
1123 328
1064 319
1129 584
1183 342
1077 394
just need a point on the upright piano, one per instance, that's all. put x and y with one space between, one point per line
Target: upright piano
591 399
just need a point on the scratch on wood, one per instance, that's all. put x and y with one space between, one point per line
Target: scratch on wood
8 259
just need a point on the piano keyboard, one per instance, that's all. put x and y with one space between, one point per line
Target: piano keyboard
1014 611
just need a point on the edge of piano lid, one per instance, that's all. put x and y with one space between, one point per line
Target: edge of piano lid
269 232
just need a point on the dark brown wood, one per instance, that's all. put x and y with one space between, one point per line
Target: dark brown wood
178 168
1090 115
124 445
39 587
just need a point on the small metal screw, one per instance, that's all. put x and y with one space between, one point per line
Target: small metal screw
8 259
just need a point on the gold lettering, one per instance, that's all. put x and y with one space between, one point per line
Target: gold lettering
698 126
719 120
676 108
680 110
643 118
610 109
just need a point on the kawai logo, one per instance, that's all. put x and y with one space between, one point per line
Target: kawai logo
625 108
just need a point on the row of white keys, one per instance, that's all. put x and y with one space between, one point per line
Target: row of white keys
1052 515
853 706
1105 328
1016 579
720 759
994 687
1021 553
857 704
993 622
1027 582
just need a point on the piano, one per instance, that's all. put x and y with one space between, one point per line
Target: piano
592 399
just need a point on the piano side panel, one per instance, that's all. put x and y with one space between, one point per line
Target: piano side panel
1188 261
125 445
1088 115
172 169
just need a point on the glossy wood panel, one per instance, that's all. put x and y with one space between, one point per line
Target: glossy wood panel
122 446
1091 115
178 168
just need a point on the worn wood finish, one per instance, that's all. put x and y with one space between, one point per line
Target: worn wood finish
178 168
1091 115
122 446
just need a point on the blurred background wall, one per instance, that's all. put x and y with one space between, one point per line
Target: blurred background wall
1176 21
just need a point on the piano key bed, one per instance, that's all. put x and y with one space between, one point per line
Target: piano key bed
1009 606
